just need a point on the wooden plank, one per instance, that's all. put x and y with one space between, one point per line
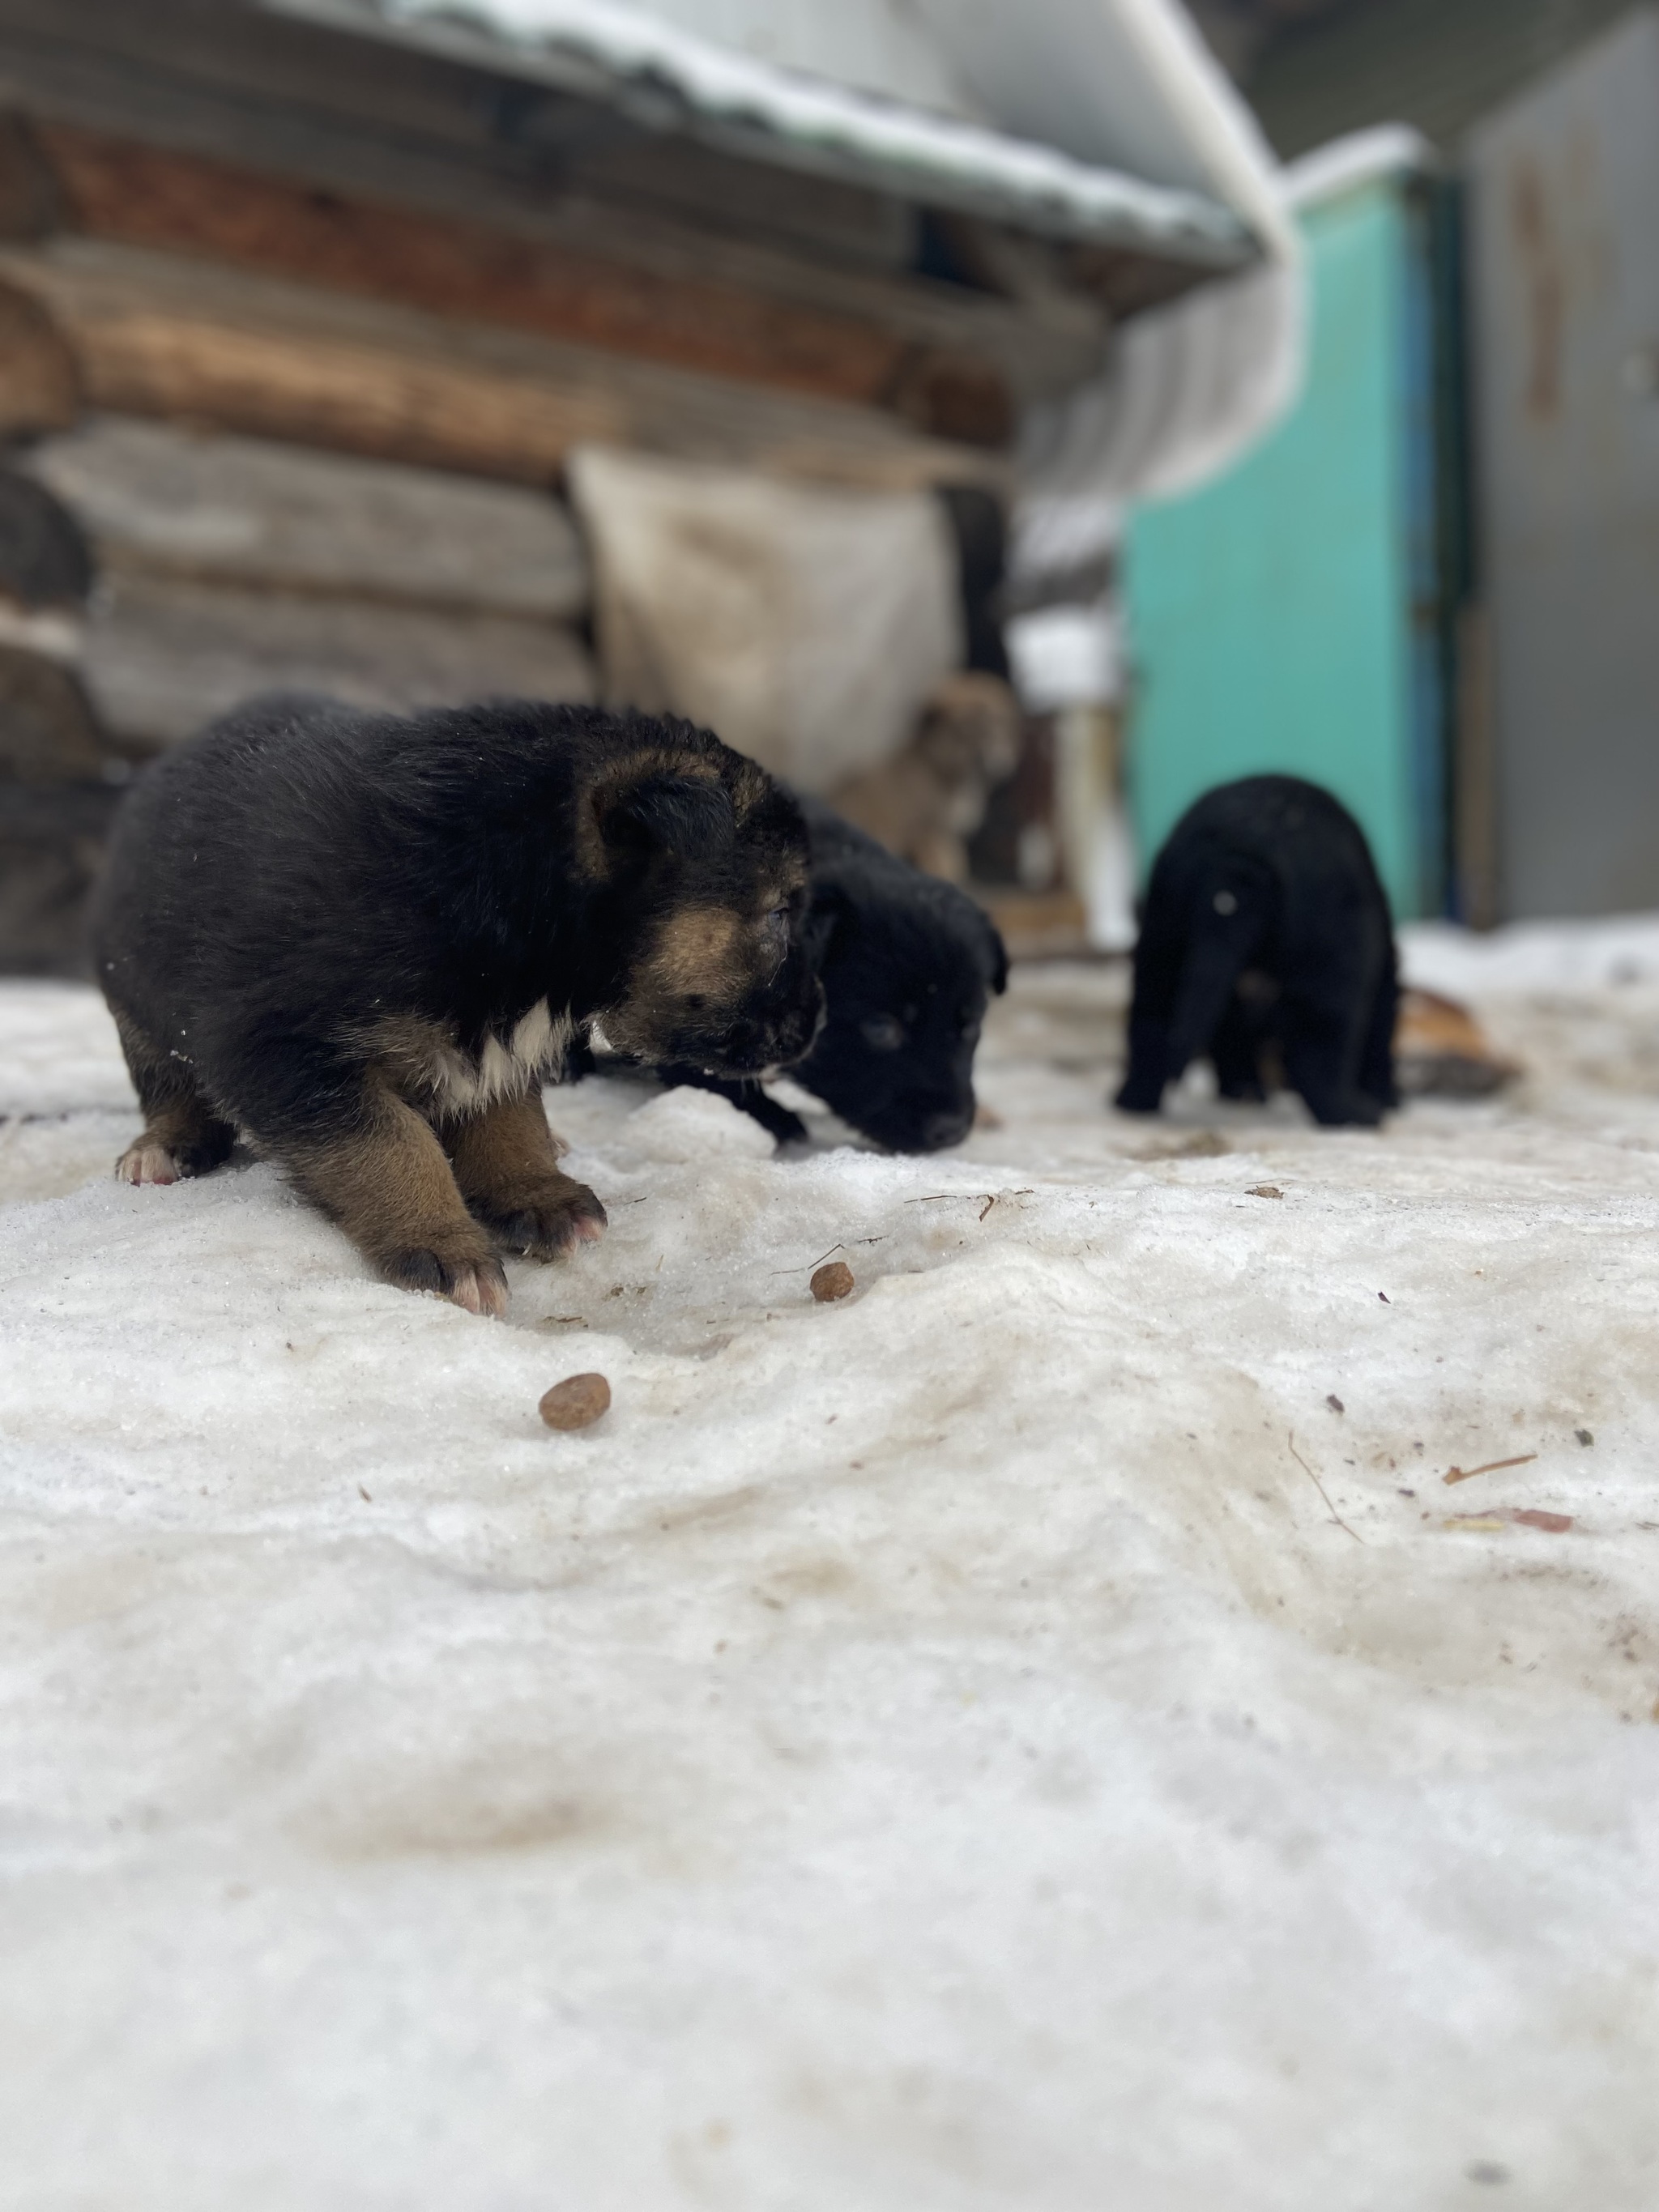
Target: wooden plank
163 655
150 495
156 334
121 190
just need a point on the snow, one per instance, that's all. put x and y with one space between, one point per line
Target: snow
1378 155
1003 1740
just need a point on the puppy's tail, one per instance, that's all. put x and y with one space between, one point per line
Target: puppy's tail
1228 922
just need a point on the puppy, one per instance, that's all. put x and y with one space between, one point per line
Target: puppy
926 803
1266 931
364 940
907 963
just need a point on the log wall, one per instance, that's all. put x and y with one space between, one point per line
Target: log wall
297 333
138 332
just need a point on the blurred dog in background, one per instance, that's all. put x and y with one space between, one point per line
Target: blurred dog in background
1265 942
926 804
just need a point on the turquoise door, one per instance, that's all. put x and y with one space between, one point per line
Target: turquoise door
1284 617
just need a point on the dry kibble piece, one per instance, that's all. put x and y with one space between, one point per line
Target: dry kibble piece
1264 1190
577 1402
834 1281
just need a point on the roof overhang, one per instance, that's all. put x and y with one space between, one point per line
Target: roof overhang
668 79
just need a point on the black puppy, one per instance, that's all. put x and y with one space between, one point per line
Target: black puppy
1266 926
907 963
364 941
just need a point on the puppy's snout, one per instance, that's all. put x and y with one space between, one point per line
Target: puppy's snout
941 1130
776 1036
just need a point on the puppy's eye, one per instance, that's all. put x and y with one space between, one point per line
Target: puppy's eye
884 1031
776 922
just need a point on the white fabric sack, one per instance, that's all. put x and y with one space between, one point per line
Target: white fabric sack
803 625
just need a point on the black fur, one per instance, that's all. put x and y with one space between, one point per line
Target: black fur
303 874
1266 925
907 963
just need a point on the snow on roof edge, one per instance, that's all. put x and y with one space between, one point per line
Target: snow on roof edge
1363 157
666 75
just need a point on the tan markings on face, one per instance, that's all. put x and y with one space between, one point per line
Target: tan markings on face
700 951
708 955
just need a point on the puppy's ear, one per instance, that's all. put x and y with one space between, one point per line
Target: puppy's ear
998 957
687 816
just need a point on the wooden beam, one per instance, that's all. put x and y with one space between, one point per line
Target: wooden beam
156 334
141 196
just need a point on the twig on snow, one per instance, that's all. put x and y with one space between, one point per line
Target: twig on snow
988 1197
1464 1474
823 1257
1289 1435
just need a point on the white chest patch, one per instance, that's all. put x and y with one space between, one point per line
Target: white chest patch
463 1083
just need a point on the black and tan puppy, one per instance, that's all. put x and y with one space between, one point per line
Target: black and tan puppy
907 963
364 940
1267 930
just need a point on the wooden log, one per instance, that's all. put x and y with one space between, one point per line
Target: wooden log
163 655
44 559
51 847
154 335
141 195
49 733
31 203
40 383
247 510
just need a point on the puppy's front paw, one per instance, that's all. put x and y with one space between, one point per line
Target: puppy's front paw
145 1160
551 1222
479 1285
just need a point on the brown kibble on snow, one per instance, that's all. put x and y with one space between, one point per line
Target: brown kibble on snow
1264 1190
833 1281
577 1402
1334 1403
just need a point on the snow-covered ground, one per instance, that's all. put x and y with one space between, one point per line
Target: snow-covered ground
1041 1734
